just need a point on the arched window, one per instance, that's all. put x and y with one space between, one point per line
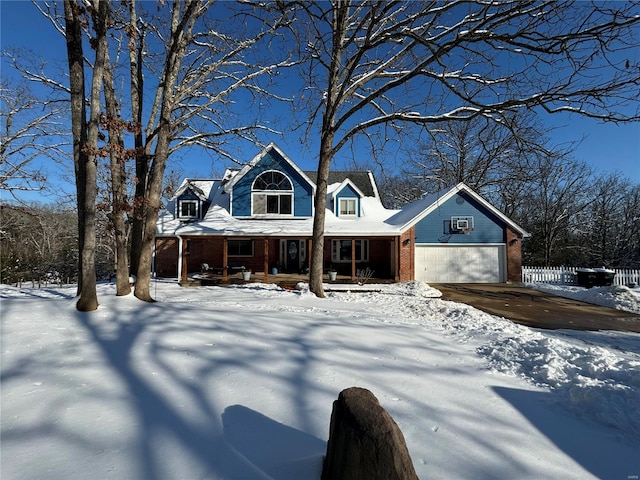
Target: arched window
272 194
272 180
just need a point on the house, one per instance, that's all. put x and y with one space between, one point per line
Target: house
260 218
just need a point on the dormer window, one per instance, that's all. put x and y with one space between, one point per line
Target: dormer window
272 194
348 207
188 209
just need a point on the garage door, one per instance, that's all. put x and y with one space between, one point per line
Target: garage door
460 263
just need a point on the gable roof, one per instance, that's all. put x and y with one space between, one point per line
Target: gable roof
337 188
364 181
199 187
411 214
272 146
375 221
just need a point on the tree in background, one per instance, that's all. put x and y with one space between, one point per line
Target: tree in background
37 242
30 128
553 200
375 66
577 217
607 231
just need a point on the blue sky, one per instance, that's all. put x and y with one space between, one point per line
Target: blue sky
606 147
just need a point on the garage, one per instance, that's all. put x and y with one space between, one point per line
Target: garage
460 263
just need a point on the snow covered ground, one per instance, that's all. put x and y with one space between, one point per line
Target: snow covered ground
238 382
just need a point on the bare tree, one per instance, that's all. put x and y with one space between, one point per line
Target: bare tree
480 152
184 68
553 201
609 227
31 128
202 70
37 242
118 156
380 63
85 135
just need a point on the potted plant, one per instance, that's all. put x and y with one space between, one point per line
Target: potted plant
332 274
246 275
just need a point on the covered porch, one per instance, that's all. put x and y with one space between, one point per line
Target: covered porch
221 259
284 280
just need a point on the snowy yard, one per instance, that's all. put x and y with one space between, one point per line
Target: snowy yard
238 382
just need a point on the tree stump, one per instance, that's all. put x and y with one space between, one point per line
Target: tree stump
365 443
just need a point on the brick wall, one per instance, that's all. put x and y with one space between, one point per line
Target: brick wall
166 261
407 256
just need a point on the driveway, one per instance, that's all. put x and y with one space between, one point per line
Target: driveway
538 309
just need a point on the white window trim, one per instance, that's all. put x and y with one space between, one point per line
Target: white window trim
183 202
355 207
256 192
266 193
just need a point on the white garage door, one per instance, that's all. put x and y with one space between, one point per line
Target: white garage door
460 263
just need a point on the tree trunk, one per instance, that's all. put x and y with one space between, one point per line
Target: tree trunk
339 21
117 157
136 47
88 296
316 270
75 58
153 200
84 155
153 195
181 26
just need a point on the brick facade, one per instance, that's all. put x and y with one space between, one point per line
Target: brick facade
166 259
406 255
389 257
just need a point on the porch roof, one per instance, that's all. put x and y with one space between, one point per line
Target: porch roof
218 221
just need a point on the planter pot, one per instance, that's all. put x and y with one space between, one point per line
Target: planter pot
246 276
333 276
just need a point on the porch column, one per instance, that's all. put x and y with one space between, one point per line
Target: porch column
179 258
396 248
225 250
185 252
353 259
308 259
266 259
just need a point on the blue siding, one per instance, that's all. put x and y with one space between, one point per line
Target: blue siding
302 191
347 192
434 228
188 195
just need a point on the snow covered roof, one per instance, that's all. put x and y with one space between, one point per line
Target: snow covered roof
199 187
364 181
218 221
411 214
374 219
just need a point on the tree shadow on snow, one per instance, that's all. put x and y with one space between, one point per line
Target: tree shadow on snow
280 451
597 449
159 417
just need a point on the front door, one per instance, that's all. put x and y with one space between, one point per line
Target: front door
293 255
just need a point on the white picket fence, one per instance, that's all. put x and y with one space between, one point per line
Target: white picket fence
568 276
